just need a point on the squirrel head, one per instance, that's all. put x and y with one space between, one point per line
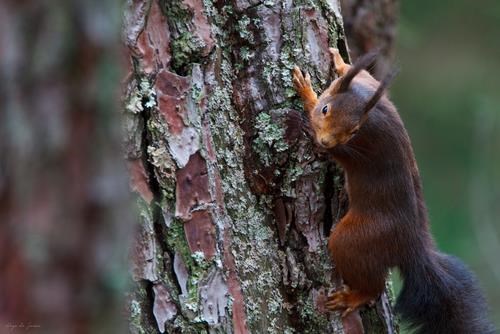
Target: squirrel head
339 115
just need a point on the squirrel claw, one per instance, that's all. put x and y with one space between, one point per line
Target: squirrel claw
338 300
304 89
299 80
297 73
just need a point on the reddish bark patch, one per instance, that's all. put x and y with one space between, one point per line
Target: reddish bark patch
200 233
172 84
139 179
145 52
153 44
192 187
201 24
239 315
171 90
171 108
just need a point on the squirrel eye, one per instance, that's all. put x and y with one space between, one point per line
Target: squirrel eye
324 110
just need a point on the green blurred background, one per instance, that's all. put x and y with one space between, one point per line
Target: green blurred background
447 94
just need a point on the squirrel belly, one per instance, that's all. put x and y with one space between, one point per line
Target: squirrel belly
386 224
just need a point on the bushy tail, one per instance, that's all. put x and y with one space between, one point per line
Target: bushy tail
440 295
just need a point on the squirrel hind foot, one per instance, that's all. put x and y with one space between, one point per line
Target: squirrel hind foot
347 300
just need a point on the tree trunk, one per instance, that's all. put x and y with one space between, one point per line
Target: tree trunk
63 186
234 217
371 25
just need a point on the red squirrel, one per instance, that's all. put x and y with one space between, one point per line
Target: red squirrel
386 224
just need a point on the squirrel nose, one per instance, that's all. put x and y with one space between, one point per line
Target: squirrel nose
324 141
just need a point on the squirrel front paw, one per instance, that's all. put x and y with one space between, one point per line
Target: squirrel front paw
300 82
304 89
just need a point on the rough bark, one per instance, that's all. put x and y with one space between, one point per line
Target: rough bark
234 217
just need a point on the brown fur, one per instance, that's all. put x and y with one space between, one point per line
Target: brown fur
386 224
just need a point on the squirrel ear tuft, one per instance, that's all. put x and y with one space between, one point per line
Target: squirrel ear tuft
380 91
361 64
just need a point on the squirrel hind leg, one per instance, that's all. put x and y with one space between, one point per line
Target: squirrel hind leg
341 67
347 300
